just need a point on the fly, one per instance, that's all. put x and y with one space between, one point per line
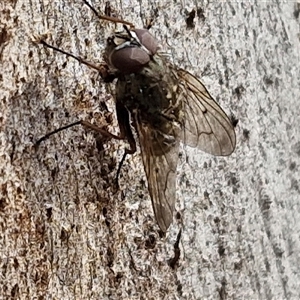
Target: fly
165 105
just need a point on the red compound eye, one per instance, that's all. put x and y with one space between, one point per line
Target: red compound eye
129 59
147 40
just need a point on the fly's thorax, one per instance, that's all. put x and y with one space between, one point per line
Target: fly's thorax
151 90
153 93
130 51
164 86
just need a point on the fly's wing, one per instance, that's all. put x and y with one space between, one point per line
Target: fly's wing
206 126
160 155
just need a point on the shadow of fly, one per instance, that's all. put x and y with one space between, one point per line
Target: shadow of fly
164 104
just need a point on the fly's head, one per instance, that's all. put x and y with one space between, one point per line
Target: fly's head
131 50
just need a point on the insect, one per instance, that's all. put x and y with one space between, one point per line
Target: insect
164 104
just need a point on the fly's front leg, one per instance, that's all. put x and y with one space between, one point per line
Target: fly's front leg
106 74
123 118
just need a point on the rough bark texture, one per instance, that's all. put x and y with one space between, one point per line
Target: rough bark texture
66 234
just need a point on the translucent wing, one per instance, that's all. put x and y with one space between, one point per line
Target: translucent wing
206 126
160 155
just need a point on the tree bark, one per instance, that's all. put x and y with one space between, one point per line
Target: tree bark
66 233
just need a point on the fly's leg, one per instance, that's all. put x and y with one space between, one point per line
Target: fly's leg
105 133
125 133
125 130
85 124
107 17
103 69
